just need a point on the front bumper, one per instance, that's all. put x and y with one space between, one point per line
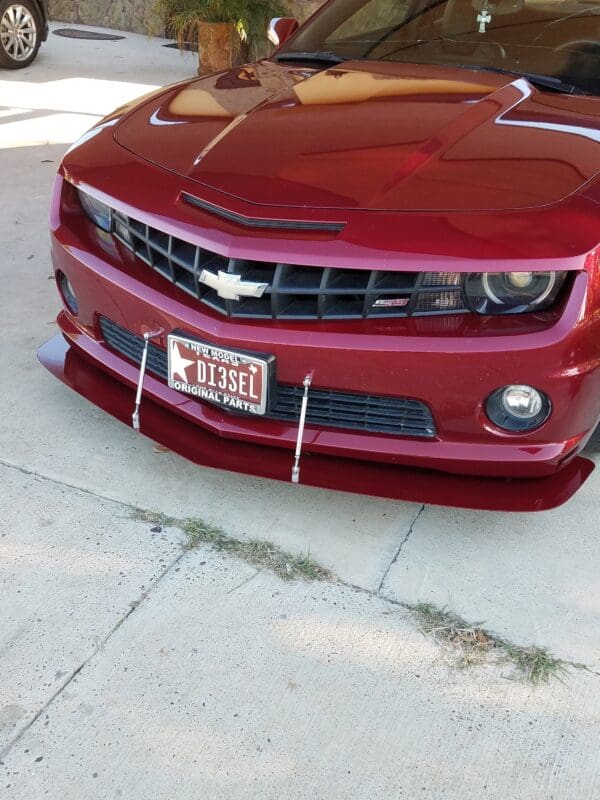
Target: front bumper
192 441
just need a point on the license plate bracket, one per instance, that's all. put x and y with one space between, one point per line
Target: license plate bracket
237 380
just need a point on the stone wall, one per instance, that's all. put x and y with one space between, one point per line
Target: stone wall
134 15
302 8
124 15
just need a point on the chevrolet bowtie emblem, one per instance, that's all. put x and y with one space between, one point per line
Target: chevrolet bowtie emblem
232 287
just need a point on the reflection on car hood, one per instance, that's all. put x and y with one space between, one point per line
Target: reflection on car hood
371 136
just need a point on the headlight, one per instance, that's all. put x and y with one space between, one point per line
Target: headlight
97 211
512 292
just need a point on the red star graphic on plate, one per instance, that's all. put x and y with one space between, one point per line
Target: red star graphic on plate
179 364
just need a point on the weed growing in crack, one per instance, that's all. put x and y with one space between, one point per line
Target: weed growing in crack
470 644
154 518
536 664
259 553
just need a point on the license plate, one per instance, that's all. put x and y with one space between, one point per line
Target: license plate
230 378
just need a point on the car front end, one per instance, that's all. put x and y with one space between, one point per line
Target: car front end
437 309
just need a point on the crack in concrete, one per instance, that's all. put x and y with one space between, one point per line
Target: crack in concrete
408 607
59 482
133 606
244 582
398 551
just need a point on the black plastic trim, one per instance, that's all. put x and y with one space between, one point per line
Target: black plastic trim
254 222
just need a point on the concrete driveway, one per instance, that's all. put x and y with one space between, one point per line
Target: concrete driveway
132 666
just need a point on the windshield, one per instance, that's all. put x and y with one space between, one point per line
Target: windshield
555 38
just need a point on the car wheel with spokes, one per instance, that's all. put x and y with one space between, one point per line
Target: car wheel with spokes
20 33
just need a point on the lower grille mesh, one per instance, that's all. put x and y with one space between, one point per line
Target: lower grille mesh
362 412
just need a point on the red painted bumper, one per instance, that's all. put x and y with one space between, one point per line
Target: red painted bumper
383 480
452 371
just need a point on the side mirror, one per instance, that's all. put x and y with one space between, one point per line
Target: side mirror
281 28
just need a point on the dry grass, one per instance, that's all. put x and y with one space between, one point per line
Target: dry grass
154 518
259 553
469 644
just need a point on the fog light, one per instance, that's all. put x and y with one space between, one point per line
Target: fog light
518 408
523 402
68 293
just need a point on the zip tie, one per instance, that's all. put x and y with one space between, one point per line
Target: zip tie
303 410
135 417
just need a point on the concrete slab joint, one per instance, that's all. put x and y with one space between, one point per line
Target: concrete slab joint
381 586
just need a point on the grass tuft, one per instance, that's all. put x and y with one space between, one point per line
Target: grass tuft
154 518
536 664
257 552
471 644
260 553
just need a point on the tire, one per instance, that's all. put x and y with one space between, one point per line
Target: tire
20 33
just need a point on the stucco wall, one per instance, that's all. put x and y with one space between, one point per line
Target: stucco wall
133 15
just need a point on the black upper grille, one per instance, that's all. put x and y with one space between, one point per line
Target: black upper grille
292 292
373 414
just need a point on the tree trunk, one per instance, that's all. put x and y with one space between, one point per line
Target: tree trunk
219 46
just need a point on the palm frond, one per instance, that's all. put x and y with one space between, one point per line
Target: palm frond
251 16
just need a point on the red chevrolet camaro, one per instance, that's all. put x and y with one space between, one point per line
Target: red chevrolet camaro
370 262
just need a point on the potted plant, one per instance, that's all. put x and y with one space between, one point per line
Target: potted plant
227 32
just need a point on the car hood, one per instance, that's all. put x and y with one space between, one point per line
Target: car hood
375 137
